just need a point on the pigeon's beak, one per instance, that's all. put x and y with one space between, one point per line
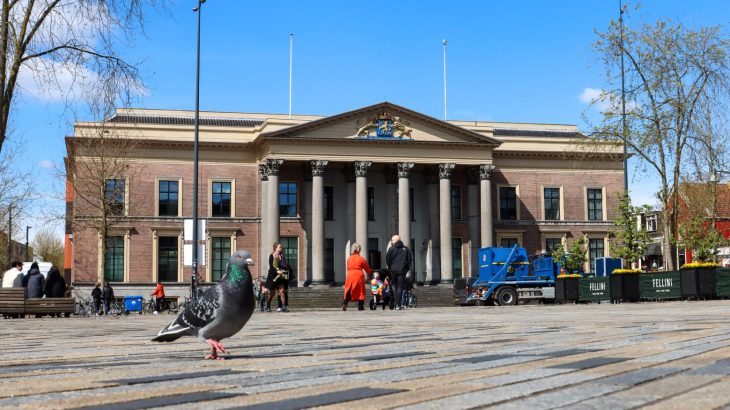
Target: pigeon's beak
249 261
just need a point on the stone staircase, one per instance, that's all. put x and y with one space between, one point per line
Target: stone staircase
331 297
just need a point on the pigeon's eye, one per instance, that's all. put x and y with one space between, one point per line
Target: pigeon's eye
240 257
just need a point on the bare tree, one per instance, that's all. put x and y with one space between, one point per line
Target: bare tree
48 245
73 47
671 70
18 191
101 166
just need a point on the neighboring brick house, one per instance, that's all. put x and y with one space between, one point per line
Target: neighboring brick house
318 184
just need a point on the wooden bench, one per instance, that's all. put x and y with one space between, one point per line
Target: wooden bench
13 302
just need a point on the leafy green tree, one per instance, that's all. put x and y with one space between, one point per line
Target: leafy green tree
630 242
572 255
697 234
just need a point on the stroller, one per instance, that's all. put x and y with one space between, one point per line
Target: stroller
387 299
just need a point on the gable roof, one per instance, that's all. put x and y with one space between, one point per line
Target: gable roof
297 130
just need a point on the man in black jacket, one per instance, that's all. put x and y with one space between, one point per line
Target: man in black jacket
399 263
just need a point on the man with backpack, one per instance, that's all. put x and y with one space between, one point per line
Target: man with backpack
399 263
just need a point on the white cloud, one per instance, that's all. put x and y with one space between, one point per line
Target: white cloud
46 163
591 95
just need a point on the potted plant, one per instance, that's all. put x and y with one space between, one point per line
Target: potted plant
567 288
699 279
660 285
571 256
625 285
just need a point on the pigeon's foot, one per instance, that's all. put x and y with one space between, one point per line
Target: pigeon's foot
213 356
214 348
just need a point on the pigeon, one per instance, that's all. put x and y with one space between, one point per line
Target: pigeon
220 312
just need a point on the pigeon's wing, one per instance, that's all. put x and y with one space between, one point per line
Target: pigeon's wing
198 315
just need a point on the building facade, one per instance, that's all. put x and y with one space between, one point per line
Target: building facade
318 184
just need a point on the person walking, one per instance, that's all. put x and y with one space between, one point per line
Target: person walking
159 294
399 262
107 294
96 298
55 286
278 279
355 281
13 278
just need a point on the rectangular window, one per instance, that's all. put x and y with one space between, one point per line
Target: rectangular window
221 199
114 262
552 204
455 202
412 204
329 203
168 199
595 250
374 255
456 256
371 203
508 242
287 199
220 253
291 253
507 203
651 223
551 244
595 204
329 260
167 258
114 193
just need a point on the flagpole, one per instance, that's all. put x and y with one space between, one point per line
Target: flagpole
445 80
291 55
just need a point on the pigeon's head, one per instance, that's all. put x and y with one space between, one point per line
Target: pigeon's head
241 259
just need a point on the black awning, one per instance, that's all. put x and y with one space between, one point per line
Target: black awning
653 249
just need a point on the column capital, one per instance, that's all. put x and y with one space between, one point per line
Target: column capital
391 174
264 173
445 170
404 168
273 165
485 171
472 176
432 175
318 167
361 168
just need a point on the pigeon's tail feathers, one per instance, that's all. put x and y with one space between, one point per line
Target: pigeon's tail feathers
172 332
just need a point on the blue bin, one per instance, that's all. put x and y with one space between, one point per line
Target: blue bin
133 303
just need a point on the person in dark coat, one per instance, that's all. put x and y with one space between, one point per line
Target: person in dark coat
34 282
399 262
96 297
55 286
107 294
278 278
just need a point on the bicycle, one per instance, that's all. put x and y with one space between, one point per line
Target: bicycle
117 308
86 309
184 304
148 306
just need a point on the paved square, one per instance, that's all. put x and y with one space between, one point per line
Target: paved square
671 355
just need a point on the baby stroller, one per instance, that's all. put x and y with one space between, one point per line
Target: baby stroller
387 299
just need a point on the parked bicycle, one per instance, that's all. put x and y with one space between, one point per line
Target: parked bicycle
117 308
148 306
86 309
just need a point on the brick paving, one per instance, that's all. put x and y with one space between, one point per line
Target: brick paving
672 355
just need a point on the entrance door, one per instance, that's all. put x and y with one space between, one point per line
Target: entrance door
373 253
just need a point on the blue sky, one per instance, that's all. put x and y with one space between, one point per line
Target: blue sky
522 61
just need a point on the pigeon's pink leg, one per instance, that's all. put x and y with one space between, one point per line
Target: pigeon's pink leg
213 347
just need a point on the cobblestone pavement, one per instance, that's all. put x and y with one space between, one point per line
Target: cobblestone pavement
655 355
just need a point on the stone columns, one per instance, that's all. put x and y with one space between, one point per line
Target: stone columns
318 222
305 244
433 252
485 176
264 247
349 172
391 195
272 206
474 240
361 205
404 208
447 261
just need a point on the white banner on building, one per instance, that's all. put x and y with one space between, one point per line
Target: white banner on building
188 255
188 229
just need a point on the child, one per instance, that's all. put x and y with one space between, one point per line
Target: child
386 292
376 286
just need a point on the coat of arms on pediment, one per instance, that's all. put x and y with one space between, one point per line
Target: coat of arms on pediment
385 125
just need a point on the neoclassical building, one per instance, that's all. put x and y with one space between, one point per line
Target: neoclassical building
317 184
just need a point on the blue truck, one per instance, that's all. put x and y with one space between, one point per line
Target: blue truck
507 275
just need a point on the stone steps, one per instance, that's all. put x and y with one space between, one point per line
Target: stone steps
331 297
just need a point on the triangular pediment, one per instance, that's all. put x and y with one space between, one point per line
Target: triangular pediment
383 121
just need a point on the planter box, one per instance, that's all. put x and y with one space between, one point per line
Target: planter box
625 287
723 282
594 289
566 290
699 282
660 285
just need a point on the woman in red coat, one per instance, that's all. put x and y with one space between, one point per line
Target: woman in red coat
355 282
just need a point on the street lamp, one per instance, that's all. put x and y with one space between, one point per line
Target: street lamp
27 228
194 276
